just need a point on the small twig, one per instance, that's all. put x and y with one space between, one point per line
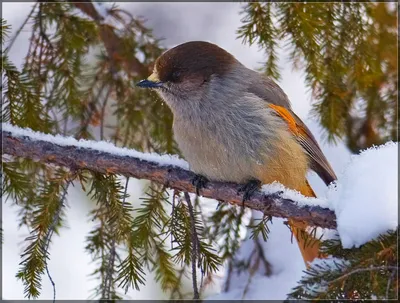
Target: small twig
42 32
110 266
41 42
196 295
19 30
389 283
202 277
207 281
173 216
267 265
358 270
55 119
258 253
103 110
229 276
65 128
201 212
50 234
176 288
91 106
247 287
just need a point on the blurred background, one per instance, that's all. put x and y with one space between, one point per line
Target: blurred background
343 89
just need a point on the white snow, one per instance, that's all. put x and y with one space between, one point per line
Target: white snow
324 233
103 146
328 263
315 288
365 199
293 195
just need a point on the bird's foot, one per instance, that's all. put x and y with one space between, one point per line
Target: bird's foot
248 189
199 182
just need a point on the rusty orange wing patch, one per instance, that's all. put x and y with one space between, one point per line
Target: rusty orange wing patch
285 114
303 135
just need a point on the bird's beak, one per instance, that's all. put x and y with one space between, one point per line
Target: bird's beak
151 82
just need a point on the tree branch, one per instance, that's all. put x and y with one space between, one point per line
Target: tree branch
79 158
112 42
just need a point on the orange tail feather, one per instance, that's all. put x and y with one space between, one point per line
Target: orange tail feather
308 245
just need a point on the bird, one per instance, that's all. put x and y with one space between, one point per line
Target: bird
234 124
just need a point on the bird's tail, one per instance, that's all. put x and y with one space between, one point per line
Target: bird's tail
309 246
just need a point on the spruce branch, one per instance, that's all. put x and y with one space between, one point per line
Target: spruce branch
195 249
174 177
46 219
359 270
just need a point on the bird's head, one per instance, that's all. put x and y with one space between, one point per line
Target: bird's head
186 72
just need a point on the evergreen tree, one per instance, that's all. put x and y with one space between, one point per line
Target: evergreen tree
77 80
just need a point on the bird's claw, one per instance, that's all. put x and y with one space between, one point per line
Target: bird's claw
249 189
199 182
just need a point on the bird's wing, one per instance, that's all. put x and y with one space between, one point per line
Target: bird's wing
279 102
319 163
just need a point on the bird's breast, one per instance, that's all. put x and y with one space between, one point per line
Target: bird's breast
225 145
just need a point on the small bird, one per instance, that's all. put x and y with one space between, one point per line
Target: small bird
234 124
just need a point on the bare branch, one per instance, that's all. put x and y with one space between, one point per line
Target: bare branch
79 158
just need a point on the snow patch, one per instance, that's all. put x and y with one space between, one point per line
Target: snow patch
323 233
329 263
293 195
365 198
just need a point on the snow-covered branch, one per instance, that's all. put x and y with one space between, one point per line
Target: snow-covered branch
104 157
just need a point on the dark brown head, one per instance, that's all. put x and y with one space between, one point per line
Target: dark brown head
187 67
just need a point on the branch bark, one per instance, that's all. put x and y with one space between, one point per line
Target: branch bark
79 158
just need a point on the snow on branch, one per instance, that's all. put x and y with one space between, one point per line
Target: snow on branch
104 157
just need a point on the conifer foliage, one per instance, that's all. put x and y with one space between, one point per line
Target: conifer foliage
349 55
77 80
370 271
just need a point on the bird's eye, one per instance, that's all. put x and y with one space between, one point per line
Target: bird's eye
175 76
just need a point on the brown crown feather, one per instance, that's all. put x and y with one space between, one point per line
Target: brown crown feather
195 58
